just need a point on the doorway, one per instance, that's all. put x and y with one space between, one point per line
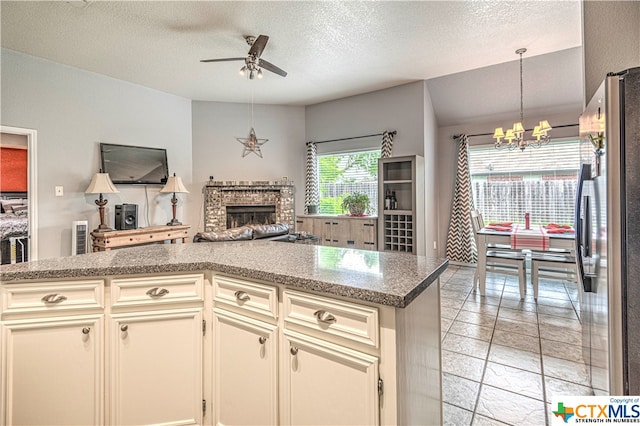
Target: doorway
18 195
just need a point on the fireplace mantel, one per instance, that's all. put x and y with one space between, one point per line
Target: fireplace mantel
220 194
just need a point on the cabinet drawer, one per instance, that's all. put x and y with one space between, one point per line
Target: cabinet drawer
245 296
150 291
54 296
332 317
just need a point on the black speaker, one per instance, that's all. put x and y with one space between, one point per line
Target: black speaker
126 216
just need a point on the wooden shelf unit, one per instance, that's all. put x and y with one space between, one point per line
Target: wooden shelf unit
402 229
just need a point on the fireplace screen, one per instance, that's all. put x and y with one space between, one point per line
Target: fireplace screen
250 215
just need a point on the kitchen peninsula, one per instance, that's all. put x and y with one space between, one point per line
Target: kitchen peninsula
250 332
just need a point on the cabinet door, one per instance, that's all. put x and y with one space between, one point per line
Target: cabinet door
245 370
363 232
156 367
328 384
340 233
305 224
53 373
325 231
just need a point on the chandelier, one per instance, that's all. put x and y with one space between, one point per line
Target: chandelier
515 137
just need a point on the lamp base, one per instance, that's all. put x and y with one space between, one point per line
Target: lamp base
102 228
174 222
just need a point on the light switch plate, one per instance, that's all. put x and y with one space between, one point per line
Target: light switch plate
59 191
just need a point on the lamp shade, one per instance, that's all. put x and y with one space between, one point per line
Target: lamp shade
174 184
101 184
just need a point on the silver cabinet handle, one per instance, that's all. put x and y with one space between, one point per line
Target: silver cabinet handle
86 330
293 350
157 292
53 298
124 328
242 296
262 340
324 316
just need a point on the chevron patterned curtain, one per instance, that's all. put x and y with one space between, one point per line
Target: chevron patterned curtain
461 244
387 144
311 195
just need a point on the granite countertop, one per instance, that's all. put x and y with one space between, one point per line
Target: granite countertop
385 278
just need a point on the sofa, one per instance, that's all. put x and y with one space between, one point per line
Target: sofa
274 232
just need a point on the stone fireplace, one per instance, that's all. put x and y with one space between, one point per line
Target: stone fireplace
228 204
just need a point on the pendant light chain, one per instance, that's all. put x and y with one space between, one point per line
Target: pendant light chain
521 51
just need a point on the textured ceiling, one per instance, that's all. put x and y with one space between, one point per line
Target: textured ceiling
330 49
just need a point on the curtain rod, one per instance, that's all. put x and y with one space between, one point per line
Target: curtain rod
392 133
526 130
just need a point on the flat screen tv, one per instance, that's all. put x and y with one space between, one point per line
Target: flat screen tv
134 164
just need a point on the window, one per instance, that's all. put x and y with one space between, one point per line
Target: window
346 173
542 182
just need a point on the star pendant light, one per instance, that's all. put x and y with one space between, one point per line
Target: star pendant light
252 143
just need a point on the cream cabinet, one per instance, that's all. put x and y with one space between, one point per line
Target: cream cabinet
52 350
156 350
245 372
325 383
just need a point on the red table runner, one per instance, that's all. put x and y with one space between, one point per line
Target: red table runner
535 238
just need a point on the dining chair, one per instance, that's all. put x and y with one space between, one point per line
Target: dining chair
557 265
500 259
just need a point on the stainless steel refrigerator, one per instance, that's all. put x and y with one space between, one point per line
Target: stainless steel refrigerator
608 235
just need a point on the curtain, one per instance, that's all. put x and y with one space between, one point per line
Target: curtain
387 144
461 244
311 195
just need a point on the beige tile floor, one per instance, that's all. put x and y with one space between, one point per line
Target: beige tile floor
503 359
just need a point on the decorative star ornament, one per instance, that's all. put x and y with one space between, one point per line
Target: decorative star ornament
252 144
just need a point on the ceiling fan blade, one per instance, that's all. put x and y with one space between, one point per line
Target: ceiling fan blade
222 60
258 46
270 67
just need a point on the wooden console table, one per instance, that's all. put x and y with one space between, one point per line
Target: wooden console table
132 237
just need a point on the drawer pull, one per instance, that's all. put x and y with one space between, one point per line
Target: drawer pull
86 330
262 340
293 351
324 316
53 298
157 292
242 296
124 328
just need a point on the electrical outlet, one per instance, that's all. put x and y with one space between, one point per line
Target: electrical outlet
59 191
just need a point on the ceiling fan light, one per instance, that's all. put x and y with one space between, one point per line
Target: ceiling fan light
251 75
243 71
259 73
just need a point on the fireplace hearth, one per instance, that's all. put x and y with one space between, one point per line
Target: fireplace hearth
250 215
229 204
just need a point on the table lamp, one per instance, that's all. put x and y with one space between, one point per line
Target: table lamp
101 184
174 184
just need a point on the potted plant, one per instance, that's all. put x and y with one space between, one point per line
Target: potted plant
357 203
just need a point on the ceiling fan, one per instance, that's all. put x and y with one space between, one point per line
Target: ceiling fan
253 63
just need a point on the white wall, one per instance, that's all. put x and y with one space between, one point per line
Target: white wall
407 109
217 153
432 180
610 39
74 110
446 153
398 108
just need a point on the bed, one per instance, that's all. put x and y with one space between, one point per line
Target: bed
14 227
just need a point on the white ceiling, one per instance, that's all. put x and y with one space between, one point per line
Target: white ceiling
330 49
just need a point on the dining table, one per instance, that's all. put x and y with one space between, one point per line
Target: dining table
518 237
